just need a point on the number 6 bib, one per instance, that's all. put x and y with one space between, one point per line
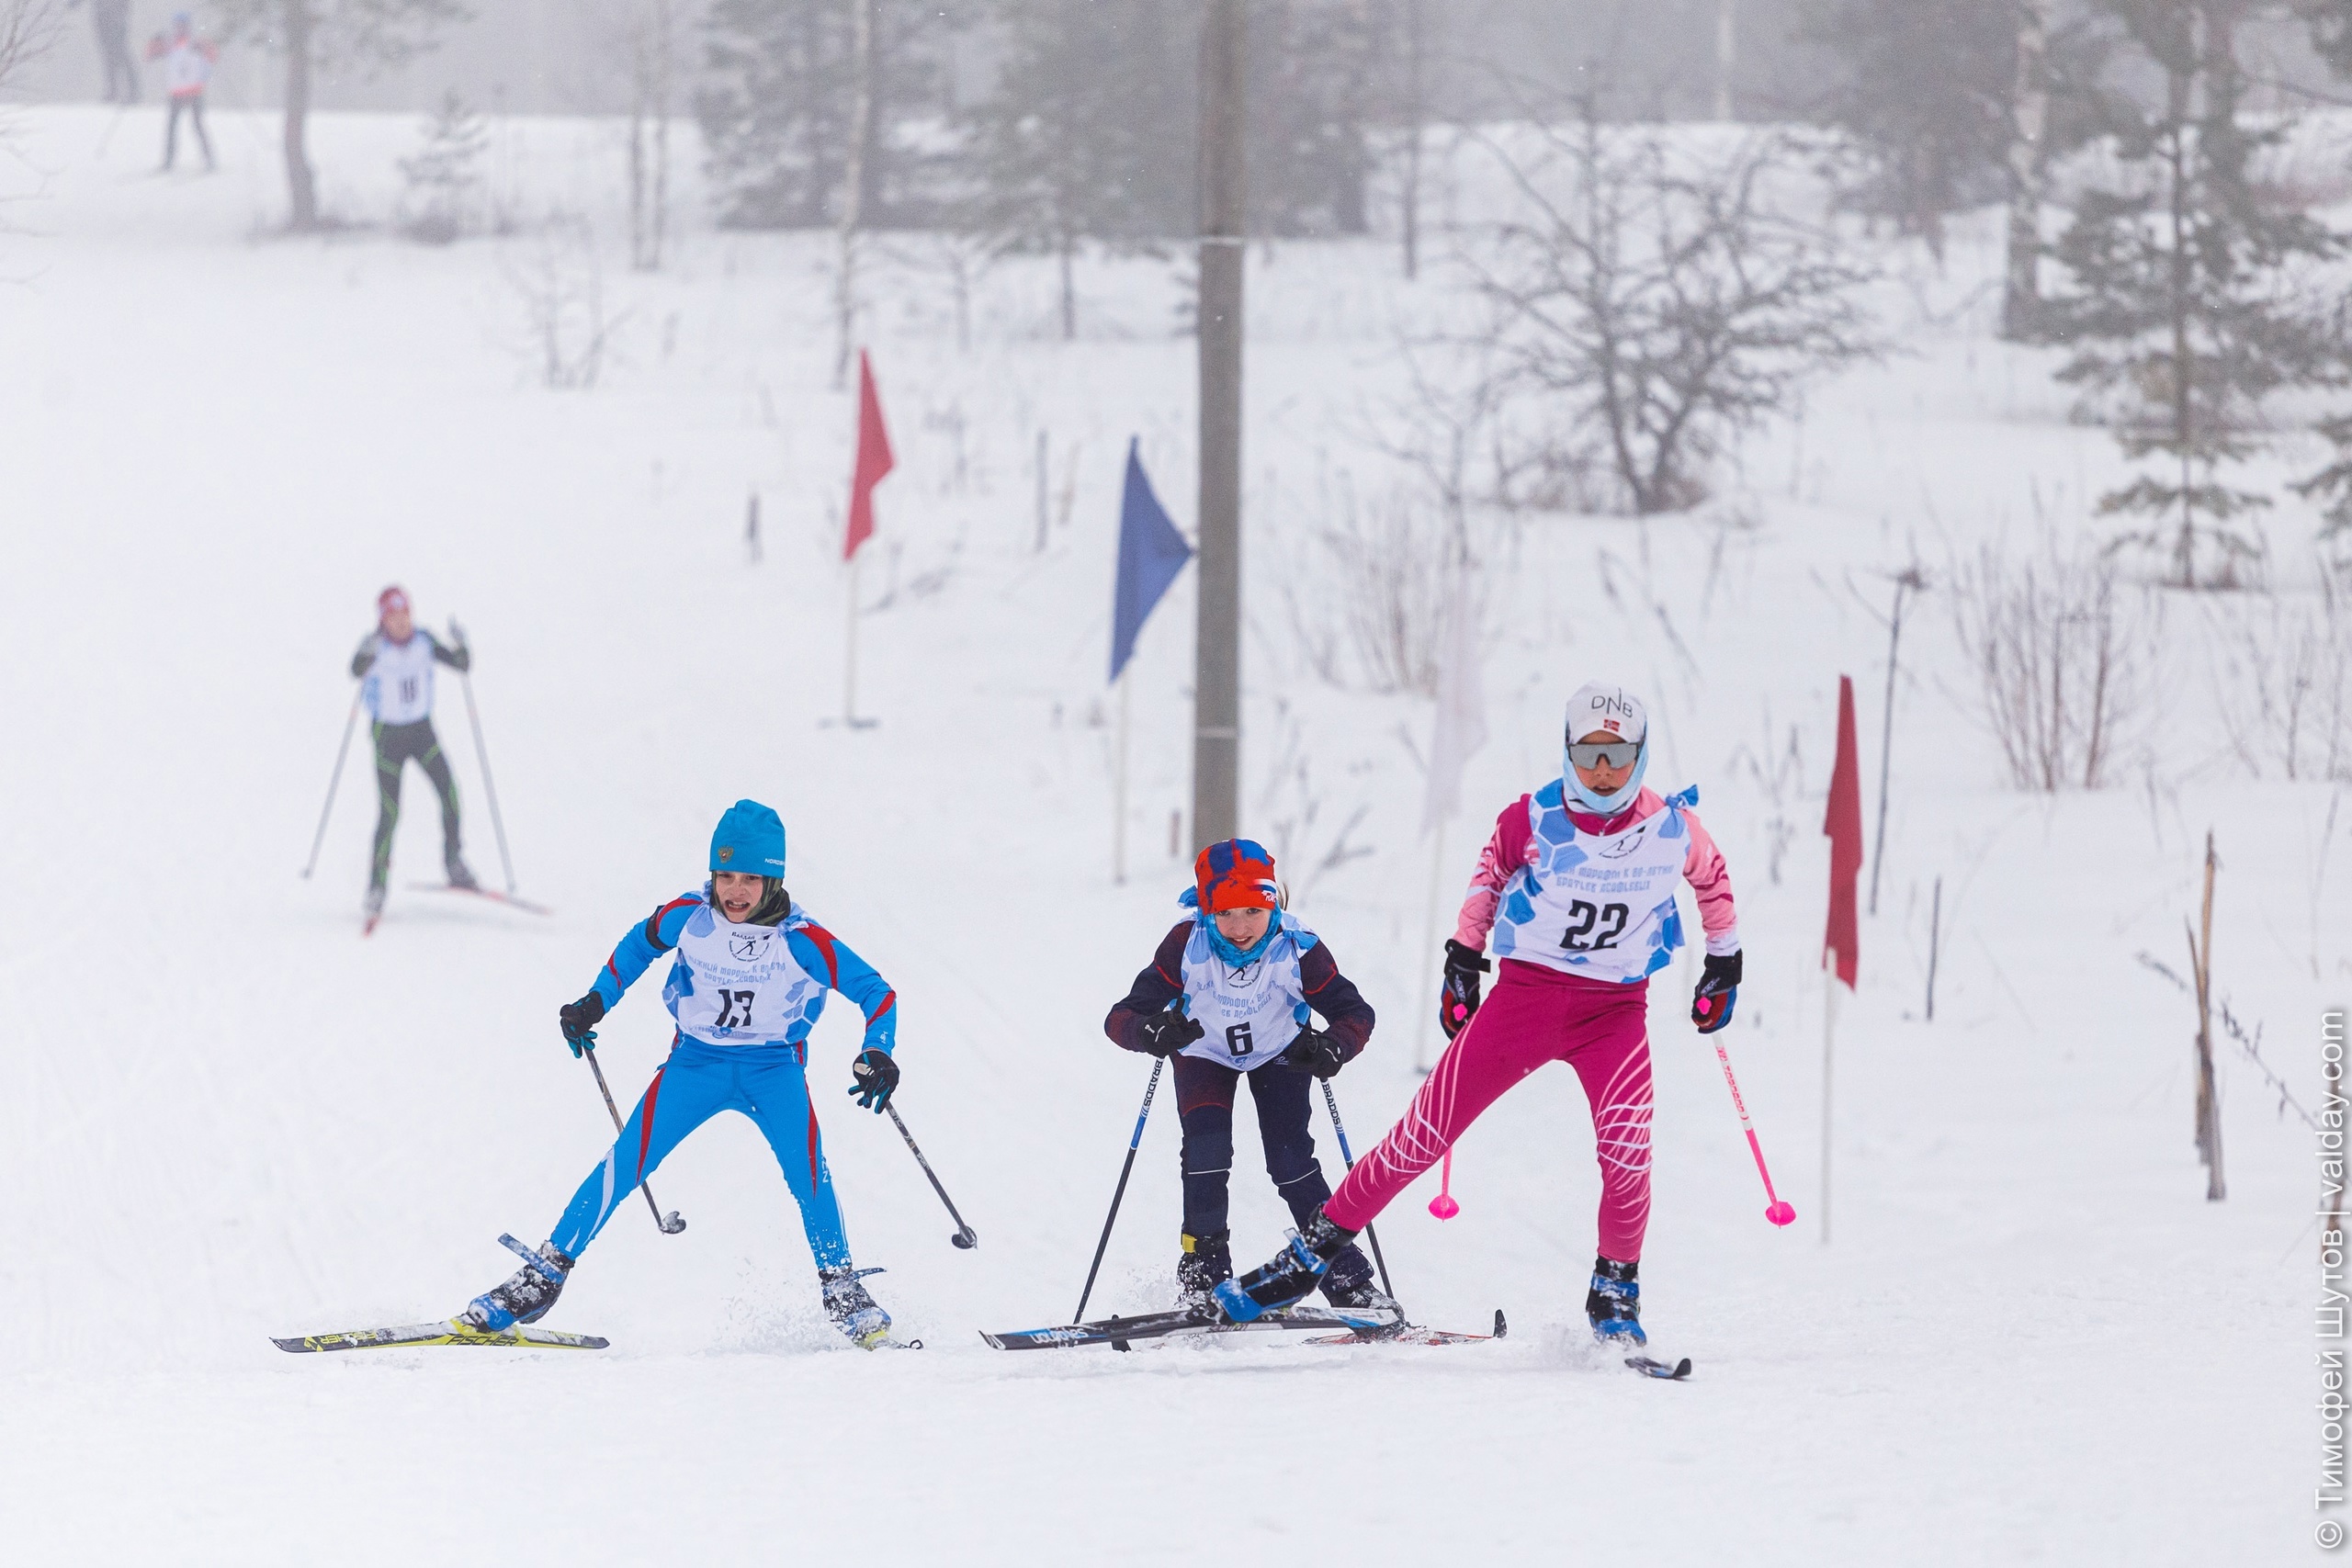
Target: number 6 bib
1597 905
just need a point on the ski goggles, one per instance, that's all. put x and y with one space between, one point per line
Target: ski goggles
1604 753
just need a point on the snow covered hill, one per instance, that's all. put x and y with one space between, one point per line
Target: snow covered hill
2027 1339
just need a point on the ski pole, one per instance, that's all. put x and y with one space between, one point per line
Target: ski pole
1121 1191
333 780
1443 1205
964 1238
466 679
671 1225
1781 1212
1332 1104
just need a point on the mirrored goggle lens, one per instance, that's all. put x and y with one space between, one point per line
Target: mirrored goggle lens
1604 753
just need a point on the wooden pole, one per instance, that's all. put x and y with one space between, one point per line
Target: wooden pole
2209 1109
1935 945
1217 685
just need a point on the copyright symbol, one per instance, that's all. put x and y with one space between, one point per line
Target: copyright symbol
2329 1535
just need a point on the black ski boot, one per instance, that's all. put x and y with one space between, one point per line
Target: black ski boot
525 1297
852 1311
1286 1277
460 877
373 908
1615 1302
1358 1292
1206 1263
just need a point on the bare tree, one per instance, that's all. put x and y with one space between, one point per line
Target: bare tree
652 58
2057 668
362 36
26 30
1663 301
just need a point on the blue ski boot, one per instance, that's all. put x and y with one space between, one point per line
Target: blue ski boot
524 1298
1615 1302
1288 1276
852 1311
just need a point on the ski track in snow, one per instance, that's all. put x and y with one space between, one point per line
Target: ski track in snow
228 1117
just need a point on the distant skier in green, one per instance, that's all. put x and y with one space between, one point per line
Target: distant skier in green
395 666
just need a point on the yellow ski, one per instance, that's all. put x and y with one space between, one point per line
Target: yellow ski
447 1333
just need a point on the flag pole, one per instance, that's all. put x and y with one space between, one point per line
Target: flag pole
1828 1041
1429 945
1119 794
849 658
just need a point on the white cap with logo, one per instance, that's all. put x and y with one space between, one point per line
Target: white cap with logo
1605 706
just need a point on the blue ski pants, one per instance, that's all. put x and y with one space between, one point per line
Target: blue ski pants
766 1083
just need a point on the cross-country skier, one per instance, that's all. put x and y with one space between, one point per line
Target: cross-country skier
1577 888
747 981
1231 994
395 667
187 71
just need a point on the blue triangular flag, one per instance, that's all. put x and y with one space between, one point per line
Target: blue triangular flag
1152 552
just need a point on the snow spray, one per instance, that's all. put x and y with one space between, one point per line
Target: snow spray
1780 1212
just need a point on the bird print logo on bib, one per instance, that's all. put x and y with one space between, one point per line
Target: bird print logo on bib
1597 905
739 985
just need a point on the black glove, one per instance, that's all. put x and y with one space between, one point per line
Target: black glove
579 1020
461 658
1458 1003
1165 1033
1313 1052
1718 989
876 1076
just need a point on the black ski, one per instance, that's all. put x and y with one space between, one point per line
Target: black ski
1414 1334
1120 1332
1650 1366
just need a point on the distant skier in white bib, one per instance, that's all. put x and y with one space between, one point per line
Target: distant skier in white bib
187 71
394 665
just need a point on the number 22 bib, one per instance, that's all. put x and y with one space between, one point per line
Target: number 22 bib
1597 905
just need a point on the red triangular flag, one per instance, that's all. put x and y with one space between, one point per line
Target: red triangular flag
873 459
1845 829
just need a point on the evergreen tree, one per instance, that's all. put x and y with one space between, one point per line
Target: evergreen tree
2191 299
442 174
775 116
1924 85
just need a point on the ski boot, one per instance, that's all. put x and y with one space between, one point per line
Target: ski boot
459 876
1286 1277
1615 1302
852 1311
1358 1292
524 1298
373 906
1206 1263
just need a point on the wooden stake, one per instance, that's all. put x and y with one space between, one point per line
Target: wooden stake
2209 1109
1935 943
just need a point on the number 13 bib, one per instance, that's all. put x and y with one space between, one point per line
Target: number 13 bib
739 984
1597 905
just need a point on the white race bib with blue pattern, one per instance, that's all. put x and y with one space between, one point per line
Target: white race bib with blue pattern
1251 1014
1595 904
739 984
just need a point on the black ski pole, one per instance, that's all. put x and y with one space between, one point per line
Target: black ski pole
1332 1103
966 1238
333 780
1112 1218
671 1225
481 755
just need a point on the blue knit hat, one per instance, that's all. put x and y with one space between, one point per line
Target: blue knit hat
750 838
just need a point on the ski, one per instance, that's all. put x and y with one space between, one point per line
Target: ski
1650 1366
1119 1332
494 897
446 1332
1414 1334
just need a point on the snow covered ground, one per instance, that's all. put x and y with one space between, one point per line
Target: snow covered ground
226 1117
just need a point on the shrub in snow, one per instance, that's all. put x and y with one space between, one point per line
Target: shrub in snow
441 181
2057 664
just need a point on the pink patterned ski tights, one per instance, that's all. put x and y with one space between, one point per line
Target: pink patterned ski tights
1533 1016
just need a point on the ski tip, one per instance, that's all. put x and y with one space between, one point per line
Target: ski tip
992 1341
1673 1371
1502 1328
296 1345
